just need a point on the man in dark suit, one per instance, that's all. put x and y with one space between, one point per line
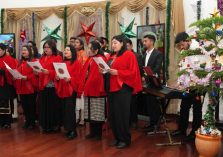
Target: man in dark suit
182 43
153 59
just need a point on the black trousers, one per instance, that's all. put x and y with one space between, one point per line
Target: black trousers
29 107
184 113
119 113
69 113
133 110
50 109
153 109
5 114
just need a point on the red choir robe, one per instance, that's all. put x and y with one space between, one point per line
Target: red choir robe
128 73
66 89
47 63
12 64
25 86
92 81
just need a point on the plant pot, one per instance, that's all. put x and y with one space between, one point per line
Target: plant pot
207 146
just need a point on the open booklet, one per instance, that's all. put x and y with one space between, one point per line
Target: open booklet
14 72
102 64
36 66
61 70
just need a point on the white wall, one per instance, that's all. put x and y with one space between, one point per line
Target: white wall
190 10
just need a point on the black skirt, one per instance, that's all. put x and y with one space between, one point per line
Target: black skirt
50 110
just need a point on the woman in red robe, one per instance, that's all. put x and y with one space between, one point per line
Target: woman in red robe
25 88
6 86
124 79
82 57
92 85
50 107
67 88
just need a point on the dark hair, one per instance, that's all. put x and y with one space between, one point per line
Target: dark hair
35 52
121 39
2 46
182 36
52 46
151 37
96 46
73 38
30 52
103 39
128 41
73 53
10 50
33 43
81 43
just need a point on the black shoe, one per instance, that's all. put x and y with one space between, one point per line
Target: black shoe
71 135
150 129
6 126
31 127
90 136
25 126
122 145
190 138
98 137
134 125
114 143
178 133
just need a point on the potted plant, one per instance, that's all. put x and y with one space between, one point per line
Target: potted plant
201 69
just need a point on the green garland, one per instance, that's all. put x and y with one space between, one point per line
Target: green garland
167 37
189 52
65 25
2 20
107 19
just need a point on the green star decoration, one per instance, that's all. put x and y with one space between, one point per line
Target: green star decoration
52 34
127 31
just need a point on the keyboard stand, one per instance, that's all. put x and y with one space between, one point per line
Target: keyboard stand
163 108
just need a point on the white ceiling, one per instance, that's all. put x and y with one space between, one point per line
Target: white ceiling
40 3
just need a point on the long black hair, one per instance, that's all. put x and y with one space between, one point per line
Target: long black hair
30 53
81 43
52 46
121 39
3 47
73 54
95 45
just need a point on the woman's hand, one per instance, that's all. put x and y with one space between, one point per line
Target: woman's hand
101 70
67 79
57 78
113 71
45 71
24 78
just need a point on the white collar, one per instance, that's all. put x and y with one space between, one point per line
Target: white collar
149 52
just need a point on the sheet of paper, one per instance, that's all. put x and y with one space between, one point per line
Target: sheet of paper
36 66
61 70
102 64
14 72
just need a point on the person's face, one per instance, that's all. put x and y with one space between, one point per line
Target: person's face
116 45
25 52
2 52
77 45
67 53
147 43
129 47
30 45
72 42
90 51
7 52
47 50
183 45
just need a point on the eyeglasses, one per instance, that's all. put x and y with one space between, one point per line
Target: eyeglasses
46 47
